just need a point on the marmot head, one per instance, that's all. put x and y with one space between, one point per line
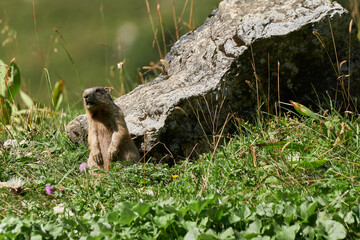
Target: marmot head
97 98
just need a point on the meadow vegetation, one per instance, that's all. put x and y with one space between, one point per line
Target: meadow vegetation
261 183
293 175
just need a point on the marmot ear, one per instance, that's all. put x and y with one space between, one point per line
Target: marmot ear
108 89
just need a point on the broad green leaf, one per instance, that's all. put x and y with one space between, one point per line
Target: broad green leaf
128 232
61 98
96 230
309 232
307 209
349 218
27 100
233 218
141 208
121 205
199 204
219 214
112 216
36 236
9 80
261 238
17 228
356 213
265 210
164 221
14 83
244 212
228 234
188 224
105 227
169 201
126 216
3 69
255 227
279 208
54 230
253 230
170 209
334 229
205 236
304 111
57 93
209 235
288 232
192 234
69 223
289 213
182 211
203 222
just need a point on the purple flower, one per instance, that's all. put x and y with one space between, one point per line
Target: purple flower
83 167
49 190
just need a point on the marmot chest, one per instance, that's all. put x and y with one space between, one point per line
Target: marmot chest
104 133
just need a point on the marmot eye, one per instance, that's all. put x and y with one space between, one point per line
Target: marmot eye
98 90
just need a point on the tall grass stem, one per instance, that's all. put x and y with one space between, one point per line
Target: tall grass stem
349 61
268 102
278 85
175 20
37 36
192 17
153 29
161 26
48 83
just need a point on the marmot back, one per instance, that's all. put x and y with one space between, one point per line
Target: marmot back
109 139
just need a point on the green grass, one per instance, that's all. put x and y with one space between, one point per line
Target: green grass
277 178
282 178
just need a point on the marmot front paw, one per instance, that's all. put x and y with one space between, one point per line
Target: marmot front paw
98 159
112 155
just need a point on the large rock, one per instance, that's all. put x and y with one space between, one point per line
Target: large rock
211 71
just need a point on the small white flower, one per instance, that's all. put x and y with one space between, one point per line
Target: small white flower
15 182
11 143
15 185
149 192
60 209
120 65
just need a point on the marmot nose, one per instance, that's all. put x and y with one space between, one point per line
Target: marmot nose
85 94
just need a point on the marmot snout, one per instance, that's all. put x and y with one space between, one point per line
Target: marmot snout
96 97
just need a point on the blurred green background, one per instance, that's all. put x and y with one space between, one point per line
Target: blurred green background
96 33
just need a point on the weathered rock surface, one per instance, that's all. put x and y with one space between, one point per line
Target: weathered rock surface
212 69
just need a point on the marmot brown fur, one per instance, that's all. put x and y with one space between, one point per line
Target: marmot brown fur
109 139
